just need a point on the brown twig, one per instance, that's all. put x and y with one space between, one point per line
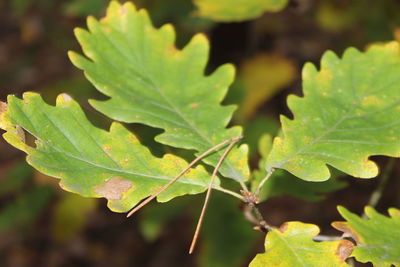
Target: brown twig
261 221
251 201
206 201
150 198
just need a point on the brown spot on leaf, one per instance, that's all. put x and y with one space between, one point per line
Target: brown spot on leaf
344 249
66 97
113 188
283 227
20 133
124 9
3 107
107 148
194 105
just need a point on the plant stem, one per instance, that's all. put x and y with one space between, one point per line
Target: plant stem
251 200
244 186
377 194
229 192
262 223
208 195
263 181
150 198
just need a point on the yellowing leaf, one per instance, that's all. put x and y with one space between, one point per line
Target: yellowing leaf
263 76
237 10
150 81
91 161
292 245
377 237
349 112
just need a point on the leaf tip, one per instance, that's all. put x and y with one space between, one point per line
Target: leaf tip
369 169
127 6
63 99
113 7
91 23
393 212
27 96
200 38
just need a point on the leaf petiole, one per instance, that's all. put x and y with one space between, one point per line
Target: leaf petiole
263 181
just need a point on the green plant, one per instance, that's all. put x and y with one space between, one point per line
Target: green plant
350 111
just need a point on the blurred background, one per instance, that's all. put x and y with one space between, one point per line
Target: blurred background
41 225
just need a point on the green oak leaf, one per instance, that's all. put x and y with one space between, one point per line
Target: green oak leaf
377 237
150 81
90 161
292 245
237 10
284 183
349 112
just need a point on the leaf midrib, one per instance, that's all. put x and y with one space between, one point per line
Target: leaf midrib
293 251
345 117
167 100
184 181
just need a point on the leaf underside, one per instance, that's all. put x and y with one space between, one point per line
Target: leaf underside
150 81
349 112
237 10
292 245
377 237
91 161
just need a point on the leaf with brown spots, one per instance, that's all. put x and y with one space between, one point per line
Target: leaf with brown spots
350 111
149 81
91 161
377 237
292 245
